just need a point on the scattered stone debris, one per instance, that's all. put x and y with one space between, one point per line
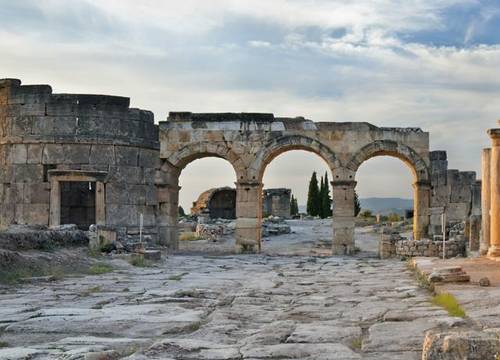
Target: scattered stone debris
275 225
448 275
484 281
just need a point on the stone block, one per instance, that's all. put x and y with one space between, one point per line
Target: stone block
102 154
28 173
53 154
35 152
76 153
127 156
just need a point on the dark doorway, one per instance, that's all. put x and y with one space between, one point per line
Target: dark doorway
78 203
223 204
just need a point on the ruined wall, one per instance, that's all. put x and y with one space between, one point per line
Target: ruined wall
276 202
41 131
216 203
455 192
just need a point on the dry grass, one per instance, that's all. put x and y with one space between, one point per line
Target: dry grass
189 236
449 303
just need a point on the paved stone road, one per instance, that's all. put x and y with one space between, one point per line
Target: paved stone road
232 307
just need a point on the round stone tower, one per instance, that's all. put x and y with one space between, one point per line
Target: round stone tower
79 159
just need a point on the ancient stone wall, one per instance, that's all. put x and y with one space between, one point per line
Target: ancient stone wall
77 136
276 202
457 193
216 203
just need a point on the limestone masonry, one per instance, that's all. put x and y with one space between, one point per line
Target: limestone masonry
92 159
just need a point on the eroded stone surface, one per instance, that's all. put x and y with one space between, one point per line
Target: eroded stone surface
225 307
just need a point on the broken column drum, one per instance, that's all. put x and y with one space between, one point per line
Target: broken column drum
75 158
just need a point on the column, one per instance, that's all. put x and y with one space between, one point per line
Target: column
421 201
166 181
343 217
55 203
494 250
485 201
100 204
248 216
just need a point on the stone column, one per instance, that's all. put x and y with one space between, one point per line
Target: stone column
343 217
248 216
167 180
494 250
100 204
485 201
55 203
421 203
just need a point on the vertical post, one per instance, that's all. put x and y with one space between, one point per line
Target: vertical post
248 216
421 203
100 203
494 250
166 181
443 227
343 216
485 201
55 203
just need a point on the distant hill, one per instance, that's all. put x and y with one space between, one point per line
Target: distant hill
383 206
386 206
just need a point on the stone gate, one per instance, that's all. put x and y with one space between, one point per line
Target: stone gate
251 141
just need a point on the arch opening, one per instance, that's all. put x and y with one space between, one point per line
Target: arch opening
290 168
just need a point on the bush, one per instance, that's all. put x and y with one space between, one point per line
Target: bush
366 214
449 303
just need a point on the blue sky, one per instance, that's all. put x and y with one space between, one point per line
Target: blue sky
428 63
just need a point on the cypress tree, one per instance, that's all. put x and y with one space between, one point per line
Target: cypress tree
294 207
321 197
357 204
326 199
313 196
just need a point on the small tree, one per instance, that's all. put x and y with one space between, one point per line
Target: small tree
326 200
294 207
181 211
366 214
313 201
357 204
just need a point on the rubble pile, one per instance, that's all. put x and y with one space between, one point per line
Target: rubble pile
275 225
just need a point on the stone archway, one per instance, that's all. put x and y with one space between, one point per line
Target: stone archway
283 144
418 167
167 183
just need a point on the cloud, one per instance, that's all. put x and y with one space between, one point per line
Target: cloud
391 63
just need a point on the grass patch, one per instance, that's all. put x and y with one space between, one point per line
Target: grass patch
449 303
356 343
139 261
177 277
100 268
3 344
91 290
422 280
16 275
189 236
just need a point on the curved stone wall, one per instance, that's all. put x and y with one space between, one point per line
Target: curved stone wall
42 132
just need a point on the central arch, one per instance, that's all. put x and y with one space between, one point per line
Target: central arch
283 144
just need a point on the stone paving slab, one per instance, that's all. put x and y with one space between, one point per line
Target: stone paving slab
225 307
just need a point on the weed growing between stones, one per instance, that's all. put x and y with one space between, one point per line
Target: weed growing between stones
449 303
100 268
3 344
177 277
189 236
90 291
357 343
18 275
139 261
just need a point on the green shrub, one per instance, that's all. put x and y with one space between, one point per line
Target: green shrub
100 268
449 303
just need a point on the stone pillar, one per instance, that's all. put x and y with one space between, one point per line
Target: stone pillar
343 217
248 216
55 203
494 250
167 180
485 201
421 203
100 204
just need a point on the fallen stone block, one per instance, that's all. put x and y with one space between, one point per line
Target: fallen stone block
470 345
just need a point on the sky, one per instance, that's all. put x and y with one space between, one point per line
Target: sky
432 64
